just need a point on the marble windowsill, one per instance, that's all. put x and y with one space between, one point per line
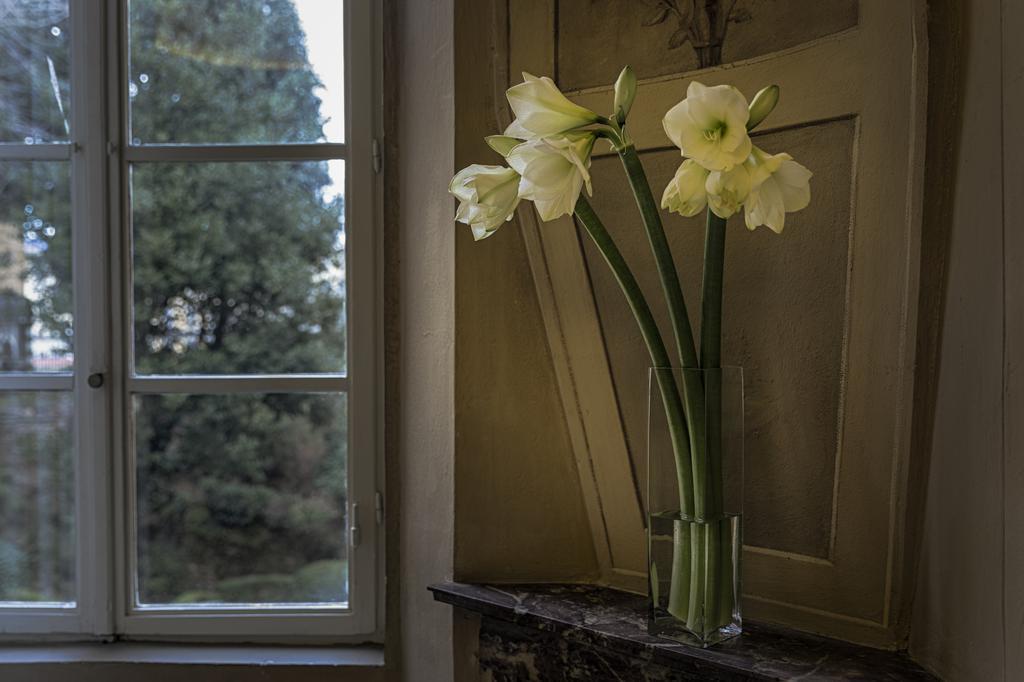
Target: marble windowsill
594 627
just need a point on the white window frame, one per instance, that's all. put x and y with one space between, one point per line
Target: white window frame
101 264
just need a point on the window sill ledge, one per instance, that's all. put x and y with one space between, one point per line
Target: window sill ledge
135 653
588 629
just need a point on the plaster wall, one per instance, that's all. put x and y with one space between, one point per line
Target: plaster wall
423 112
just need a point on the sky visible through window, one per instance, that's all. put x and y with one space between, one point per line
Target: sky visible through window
322 23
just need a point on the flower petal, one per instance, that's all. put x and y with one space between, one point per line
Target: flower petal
686 194
488 196
710 126
541 109
795 186
554 171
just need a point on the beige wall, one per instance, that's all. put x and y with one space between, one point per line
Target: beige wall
969 604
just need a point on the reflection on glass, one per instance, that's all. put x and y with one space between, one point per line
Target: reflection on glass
35 267
241 499
37 498
236 71
239 268
34 92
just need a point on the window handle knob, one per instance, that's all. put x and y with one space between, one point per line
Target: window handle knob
95 380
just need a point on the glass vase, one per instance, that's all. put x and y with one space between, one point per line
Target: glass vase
694 503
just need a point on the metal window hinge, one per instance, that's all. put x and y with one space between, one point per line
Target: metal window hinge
111 148
353 529
378 503
376 155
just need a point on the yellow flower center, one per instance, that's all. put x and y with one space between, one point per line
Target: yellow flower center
713 135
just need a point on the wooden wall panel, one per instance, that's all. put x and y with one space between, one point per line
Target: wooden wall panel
596 37
832 379
785 302
519 509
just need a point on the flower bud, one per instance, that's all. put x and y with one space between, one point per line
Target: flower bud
502 144
625 93
762 105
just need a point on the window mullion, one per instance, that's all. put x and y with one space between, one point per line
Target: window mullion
89 259
200 153
363 320
209 385
119 235
35 382
35 152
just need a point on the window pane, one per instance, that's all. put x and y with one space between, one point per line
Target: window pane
34 92
35 267
239 268
236 71
241 499
37 498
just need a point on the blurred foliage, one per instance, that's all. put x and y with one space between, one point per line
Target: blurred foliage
238 269
37 500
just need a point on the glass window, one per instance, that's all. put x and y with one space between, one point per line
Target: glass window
187 323
36 330
34 71
37 498
236 71
239 268
241 499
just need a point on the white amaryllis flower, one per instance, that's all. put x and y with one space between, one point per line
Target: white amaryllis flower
542 110
554 171
488 195
686 193
780 185
710 126
727 190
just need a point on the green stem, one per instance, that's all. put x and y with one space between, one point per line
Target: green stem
667 387
693 391
679 585
711 355
695 617
711 291
662 255
719 563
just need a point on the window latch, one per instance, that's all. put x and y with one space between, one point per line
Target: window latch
353 529
376 155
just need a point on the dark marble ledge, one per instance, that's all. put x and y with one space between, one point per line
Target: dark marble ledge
592 616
